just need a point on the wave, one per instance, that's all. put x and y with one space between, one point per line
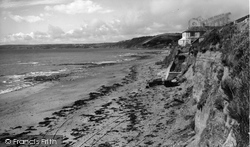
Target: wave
21 63
127 54
44 73
16 82
107 62
91 64
112 62
16 87
32 63
99 63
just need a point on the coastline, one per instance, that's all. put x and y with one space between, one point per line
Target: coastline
122 104
39 109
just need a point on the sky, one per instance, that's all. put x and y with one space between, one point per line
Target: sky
96 21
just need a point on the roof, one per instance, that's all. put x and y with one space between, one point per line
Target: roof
242 18
196 29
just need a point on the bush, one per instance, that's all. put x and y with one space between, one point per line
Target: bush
239 110
219 104
220 73
229 88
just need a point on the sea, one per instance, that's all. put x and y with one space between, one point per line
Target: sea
18 64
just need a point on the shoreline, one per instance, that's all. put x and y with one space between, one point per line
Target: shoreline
38 117
114 106
31 79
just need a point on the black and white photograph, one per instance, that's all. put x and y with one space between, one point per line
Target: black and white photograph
124 73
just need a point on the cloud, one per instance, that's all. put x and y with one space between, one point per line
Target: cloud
30 19
44 14
106 11
20 37
39 35
161 16
138 23
132 20
55 32
77 6
96 31
23 3
180 11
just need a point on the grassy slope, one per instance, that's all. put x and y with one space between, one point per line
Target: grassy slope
158 41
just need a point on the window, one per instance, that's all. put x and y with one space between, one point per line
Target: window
185 35
192 34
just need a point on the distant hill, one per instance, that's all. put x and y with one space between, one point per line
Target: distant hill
157 41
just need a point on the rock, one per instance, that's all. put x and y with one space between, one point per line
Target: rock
231 141
106 144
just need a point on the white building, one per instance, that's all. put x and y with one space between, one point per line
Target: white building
190 35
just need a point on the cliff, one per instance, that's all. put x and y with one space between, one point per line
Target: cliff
217 70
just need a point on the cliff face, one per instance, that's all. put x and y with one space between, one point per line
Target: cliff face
209 122
219 76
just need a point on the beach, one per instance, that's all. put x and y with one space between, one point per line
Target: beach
112 105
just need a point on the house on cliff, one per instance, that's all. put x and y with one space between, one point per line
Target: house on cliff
191 34
198 26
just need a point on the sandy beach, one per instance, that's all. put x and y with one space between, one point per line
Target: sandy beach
112 106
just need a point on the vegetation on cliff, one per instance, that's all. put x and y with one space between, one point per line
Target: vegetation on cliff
158 41
228 121
233 41
236 56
